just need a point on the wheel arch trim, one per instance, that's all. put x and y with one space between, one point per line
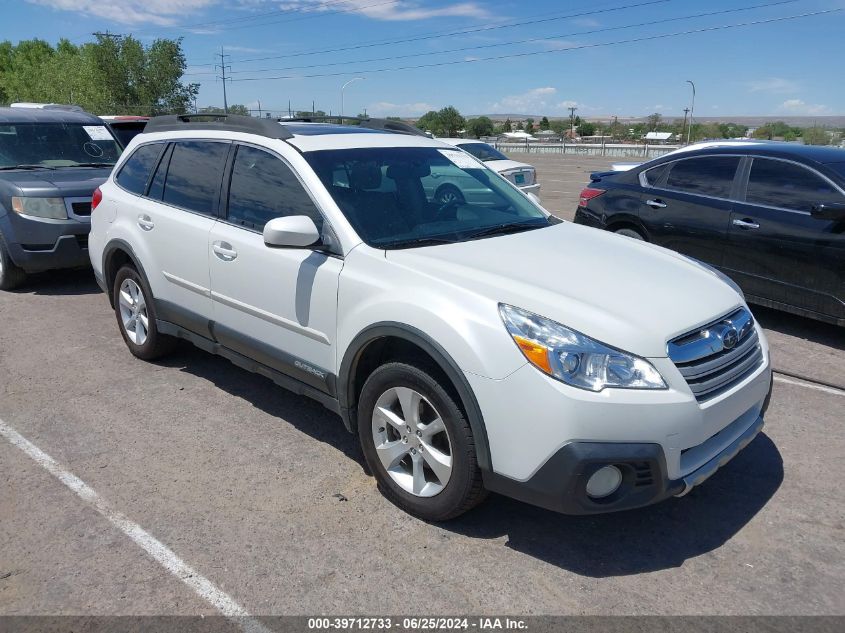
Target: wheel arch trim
349 364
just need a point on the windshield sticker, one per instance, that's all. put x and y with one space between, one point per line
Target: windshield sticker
461 159
97 132
92 149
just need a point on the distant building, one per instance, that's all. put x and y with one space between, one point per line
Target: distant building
660 137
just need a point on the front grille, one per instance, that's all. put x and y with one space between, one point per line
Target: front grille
642 474
81 208
717 356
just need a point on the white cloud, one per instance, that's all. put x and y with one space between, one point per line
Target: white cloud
531 102
399 10
158 12
797 106
773 85
385 108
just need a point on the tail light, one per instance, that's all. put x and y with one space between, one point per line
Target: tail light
96 198
587 195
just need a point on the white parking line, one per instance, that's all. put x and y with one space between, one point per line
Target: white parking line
809 385
162 554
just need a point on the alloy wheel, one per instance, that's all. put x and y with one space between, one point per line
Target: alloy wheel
412 442
133 311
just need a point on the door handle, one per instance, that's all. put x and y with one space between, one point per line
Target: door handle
146 222
746 224
224 251
656 204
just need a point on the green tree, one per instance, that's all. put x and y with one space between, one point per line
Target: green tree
544 123
653 121
529 126
112 75
507 126
815 136
478 127
428 122
446 122
235 108
586 129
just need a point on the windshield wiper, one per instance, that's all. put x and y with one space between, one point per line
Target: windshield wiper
90 165
418 241
503 229
27 167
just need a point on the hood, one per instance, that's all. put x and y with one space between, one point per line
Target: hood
623 292
64 182
505 165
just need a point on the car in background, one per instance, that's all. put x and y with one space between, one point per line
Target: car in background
771 216
125 127
51 161
522 175
627 166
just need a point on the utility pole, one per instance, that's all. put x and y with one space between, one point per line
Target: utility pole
259 108
686 112
691 110
572 121
223 68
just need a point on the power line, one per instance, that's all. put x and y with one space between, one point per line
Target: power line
511 43
532 53
480 29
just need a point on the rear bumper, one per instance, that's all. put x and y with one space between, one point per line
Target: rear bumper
587 218
560 484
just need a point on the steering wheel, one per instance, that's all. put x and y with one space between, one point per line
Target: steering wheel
447 206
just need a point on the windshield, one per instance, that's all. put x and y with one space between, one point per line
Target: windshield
483 151
52 145
411 196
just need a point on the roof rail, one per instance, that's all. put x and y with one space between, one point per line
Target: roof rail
221 122
385 125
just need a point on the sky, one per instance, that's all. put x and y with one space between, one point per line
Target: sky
605 58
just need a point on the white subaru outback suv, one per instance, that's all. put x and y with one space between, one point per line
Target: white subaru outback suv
472 346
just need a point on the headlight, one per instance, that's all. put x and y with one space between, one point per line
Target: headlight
53 208
574 358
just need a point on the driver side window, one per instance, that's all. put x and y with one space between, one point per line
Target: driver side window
262 188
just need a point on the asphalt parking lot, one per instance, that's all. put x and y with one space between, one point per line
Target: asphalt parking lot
264 494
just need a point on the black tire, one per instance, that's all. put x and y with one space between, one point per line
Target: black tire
156 344
464 489
448 193
11 275
632 233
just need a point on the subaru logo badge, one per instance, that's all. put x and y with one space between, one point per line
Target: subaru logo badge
730 338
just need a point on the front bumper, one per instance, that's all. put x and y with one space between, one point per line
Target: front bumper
36 245
560 484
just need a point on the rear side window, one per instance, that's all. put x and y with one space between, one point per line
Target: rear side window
706 176
194 176
653 175
135 172
262 188
775 183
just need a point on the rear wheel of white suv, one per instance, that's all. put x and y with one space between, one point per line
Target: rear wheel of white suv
418 443
135 311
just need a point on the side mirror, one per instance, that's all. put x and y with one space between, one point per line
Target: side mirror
828 211
295 231
534 199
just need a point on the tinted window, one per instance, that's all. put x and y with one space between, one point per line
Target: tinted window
157 184
483 151
194 175
708 176
135 172
779 184
652 176
263 188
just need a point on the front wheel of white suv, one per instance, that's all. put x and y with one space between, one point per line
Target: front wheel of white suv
135 311
418 443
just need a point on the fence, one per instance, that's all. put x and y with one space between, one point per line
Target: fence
588 149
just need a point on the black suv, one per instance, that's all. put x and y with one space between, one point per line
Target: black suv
51 161
769 215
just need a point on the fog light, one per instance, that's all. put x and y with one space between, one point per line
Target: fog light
604 482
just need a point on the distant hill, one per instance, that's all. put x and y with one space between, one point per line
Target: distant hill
837 121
